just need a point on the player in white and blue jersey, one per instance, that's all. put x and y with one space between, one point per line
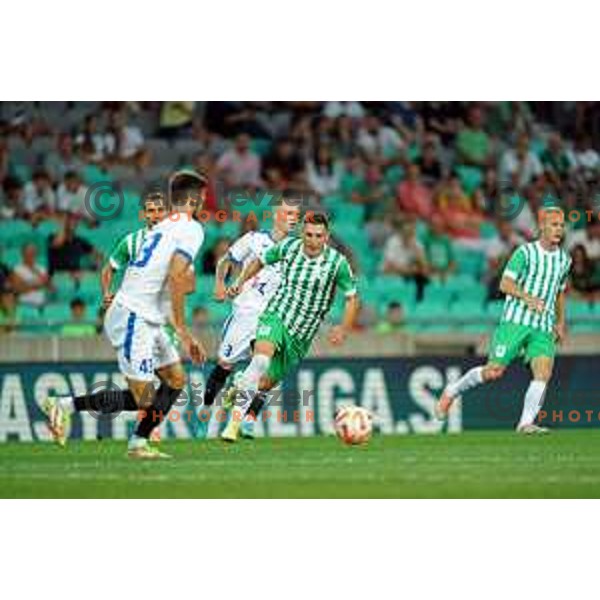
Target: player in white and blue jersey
135 322
240 327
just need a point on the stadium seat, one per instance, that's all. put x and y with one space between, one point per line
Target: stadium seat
57 313
475 293
470 262
470 178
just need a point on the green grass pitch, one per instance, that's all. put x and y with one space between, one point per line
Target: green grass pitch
565 464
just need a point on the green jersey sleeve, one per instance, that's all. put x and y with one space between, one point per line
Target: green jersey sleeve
517 265
345 279
121 254
278 252
564 276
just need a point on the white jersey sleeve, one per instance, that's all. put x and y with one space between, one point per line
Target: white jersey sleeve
243 249
188 240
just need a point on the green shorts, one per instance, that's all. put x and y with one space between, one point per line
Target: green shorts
512 341
289 351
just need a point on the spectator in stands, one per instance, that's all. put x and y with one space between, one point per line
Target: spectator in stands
90 142
240 166
443 119
413 196
589 238
556 161
353 110
439 251
78 326
473 145
324 173
176 119
344 138
282 166
379 141
394 319
6 277
8 311
70 196
498 251
40 200
212 256
520 166
403 255
63 159
462 219
69 252
584 277
429 164
31 281
125 142
12 202
585 159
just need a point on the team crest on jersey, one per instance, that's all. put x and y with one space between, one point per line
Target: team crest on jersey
263 330
500 351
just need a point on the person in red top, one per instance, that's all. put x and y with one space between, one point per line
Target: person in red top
414 197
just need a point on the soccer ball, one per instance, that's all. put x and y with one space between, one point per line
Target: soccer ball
353 424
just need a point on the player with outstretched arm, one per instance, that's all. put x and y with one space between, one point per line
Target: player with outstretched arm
312 272
532 323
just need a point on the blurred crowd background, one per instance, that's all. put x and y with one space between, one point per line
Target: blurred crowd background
428 199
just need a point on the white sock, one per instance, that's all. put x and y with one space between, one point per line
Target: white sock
534 399
468 381
67 403
248 382
135 441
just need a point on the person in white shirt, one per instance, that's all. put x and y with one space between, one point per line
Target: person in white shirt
135 321
70 196
520 166
124 142
31 280
589 238
379 140
239 330
39 197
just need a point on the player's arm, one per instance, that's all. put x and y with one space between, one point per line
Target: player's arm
252 269
346 283
118 258
179 269
560 329
270 257
238 254
515 269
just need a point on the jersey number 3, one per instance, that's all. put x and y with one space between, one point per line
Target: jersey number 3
146 250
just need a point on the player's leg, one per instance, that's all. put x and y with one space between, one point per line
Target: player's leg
172 377
506 344
119 328
235 347
540 354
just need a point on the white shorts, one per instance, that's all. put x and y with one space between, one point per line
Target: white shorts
141 347
239 331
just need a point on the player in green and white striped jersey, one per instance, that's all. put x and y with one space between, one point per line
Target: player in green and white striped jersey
533 319
311 273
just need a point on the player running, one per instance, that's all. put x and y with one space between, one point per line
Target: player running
311 273
135 321
533 320
239 329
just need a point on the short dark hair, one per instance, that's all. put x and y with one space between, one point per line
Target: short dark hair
394 305
77 302
182 183
316 218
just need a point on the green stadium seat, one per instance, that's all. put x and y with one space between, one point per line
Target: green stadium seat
28 315
470 262
57 313
347 215
475 293
470 178
11 256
